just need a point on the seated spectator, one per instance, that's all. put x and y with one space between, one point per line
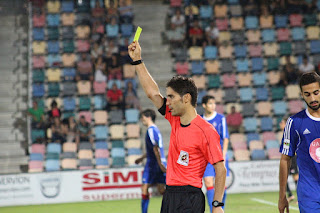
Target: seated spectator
234 120
112 29
278 7
195 34
176 36
289 74
110 47
100 74
300 6
112 12
190 16
178 20
58 135
251 8
98 10
84 69
114 68
96 51
306 66
83 131
37 116
54 112
125 11
114 98
123 50
212 34
70 129
131 98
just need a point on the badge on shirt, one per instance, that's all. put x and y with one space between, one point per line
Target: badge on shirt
314 150
286 144
183 158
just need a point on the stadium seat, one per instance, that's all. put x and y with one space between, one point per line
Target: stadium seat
101 145
133 143
248 109
38 90
99 102
38 62
131 160
210 52
112 31
241 155
100 117
69 104
293 91
229 80
134 151
240 51
201 94
299 48
252 136
313 32
53 89
69 147
256 64
266 124
69 88
253 36
285 48
35 166
126 30
226 66
251 22
69 164
224 36
310 19
258 154
295 20
279 108
262 94
236 23
82 45
52 165
259 79
197 67
85 164
273 77
195 53
101 132
238 37
205 11
281 21
38 20
38 148
298 33
256 144
181 68
53 33
246 94
102 153
250 124
266 136
68 46
218 94
69 74
255 50
116 116
38 76
272 144
268 35
214 81
266 21
244 79
242 65
118 162
133 130
53 20
53 47
272 63
117 152
102 163
235 10
38 34
220 10
67 6
274 154
54 148
230 95
116 131
277 93
36 157
270 49
283 34
263 108
295 106
84 87
315 46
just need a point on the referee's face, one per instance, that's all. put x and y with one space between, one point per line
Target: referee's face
311 95
175 103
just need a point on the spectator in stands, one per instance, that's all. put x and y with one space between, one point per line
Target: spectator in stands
131 97
114 68
54 112
212 34
176 36
125 11
289 74
278 7
110 47
306 66
84 69
234 120
98 10
83 131
37 116
100 74
123 50
70 129
114 97
178 19
58 135
300 6
96 51
190 16
250 8
195 34
97 31
112 12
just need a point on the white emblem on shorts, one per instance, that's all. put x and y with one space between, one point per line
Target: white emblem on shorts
183 158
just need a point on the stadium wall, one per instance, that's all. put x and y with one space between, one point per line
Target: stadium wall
116 184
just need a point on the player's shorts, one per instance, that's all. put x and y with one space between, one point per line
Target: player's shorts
181 199
153 175
309 207
209 172
294 166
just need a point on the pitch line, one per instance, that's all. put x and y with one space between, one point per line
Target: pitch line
272 204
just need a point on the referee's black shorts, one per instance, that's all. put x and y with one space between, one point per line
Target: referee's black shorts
183 199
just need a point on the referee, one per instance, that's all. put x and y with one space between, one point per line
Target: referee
193 142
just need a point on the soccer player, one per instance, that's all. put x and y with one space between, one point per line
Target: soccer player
302 136
155 168
193 142
219 123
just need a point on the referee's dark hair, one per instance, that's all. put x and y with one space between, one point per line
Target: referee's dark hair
206 98
309 78
149 113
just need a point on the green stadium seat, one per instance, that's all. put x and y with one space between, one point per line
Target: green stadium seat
285 48
310 19
53 89
214 81
38 75
277 93
273 63
84 103
118 162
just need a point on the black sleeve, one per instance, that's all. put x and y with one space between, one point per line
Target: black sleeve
162 109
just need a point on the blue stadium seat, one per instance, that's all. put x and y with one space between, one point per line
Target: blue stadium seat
134 151
101 145
38 90
126 30
268 35
210 52
197 67
315 46
69 74
118 152
52 165
53 47
112 31
240 51
67 6
257 64
281 21
36 156
99 102
272 144
54 60
201 94
69 88
230 155
279 107
266 124
54 148
102 162
259 79
38 33
242 65
69 104
262 94
246 94
252 137
112 81
258 154
250 124
251 22
132 115
205 12
53 20
298 33
101 132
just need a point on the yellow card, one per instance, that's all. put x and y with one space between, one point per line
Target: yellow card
137 35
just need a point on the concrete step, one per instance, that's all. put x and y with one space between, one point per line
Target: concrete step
11 145
11 152
10 170
14 162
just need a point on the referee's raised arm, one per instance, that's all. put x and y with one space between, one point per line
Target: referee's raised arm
149 86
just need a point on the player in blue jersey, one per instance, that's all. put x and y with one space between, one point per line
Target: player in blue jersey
155 168
220 124
302 136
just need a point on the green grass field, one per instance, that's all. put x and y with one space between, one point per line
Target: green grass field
239 203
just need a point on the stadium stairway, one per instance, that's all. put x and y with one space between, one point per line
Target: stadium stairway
13 84
151 15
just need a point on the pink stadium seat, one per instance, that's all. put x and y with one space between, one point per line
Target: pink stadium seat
220 108
99 87
229 80
239 146
255 50
87 116
175 3
102 153
295 106
273 153
38 148
85 167
283 34
295 20
38 61
83 45
266 136
222 24
35 166
38 20
237 137
182 68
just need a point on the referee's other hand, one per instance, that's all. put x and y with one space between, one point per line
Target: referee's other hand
134 51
